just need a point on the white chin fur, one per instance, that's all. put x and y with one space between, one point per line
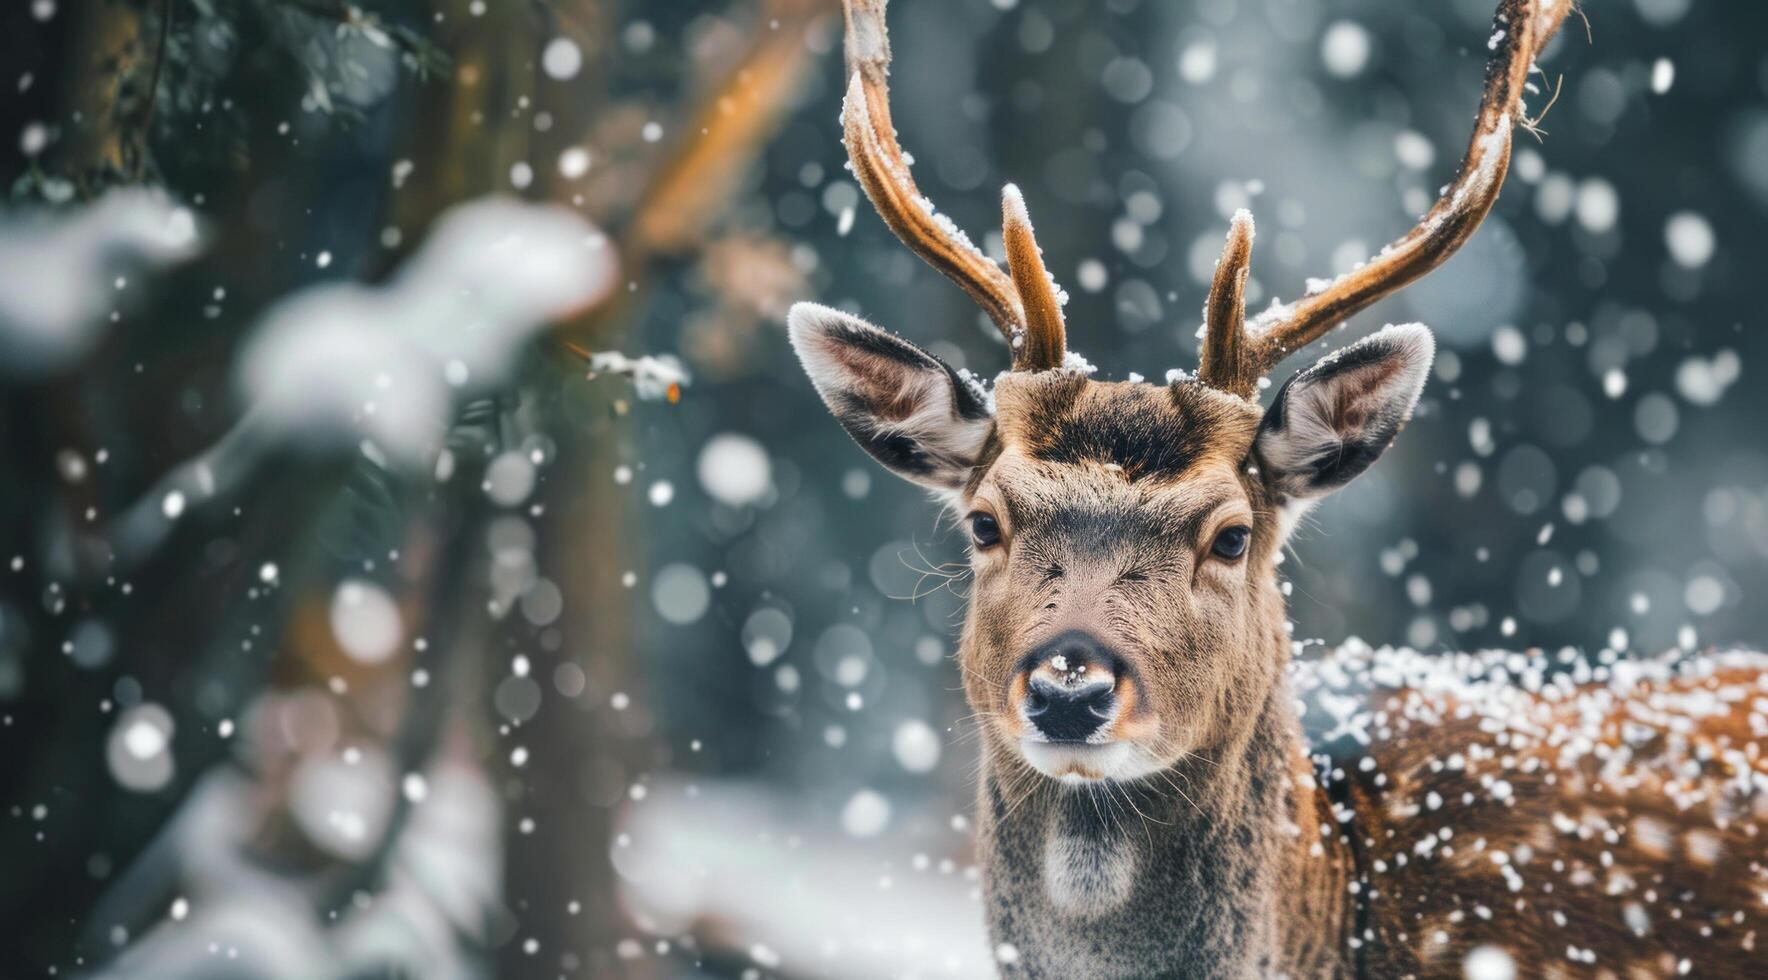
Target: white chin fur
1088 763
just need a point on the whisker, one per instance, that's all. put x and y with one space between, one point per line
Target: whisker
1129 798
1167 775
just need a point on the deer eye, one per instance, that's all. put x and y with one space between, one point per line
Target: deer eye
984 530
1231 542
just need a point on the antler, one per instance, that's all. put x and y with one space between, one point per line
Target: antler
1234 359
1025 304
1221 361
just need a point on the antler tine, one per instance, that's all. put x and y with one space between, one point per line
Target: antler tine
1520 29
1045 338
881 169
1223 362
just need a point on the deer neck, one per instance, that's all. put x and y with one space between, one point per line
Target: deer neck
1214 868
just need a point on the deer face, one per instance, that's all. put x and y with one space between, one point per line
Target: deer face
1123 536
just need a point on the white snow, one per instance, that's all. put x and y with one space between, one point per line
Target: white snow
1074 362
916 746
562 59
340 362
701 852
1509 345
58 272
1663 75
1345 48
1598 205
574 162
1197 61
343 806
1703 381
766 634
138 751
1092 275
510 478
866 814
680 593
144 740
734 469
1689 238
653 376
365 621
1414 150
1488 963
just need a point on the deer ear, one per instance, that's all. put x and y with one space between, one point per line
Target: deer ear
1329 422
907 408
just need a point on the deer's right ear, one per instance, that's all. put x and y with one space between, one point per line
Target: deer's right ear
907 408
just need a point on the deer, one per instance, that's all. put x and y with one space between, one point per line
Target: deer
1148 802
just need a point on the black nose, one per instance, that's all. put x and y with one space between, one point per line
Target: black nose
1072 688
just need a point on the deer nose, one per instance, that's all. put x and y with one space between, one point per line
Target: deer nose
1071 691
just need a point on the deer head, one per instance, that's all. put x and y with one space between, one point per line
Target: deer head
1125 612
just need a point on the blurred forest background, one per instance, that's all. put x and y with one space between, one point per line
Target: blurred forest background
353 625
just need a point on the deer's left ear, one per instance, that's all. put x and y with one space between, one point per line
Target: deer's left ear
1329 422
907 408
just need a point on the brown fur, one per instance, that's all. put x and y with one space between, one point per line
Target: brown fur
1601 832
1199 842
1545 817
1234 859
1109 540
